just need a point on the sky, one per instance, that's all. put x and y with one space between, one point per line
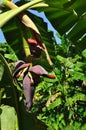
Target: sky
50 27
2 39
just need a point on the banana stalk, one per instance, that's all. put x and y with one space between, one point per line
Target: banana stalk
5 17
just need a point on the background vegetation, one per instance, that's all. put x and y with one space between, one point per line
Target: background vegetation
58 103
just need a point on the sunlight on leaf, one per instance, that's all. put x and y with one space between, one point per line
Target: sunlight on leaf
8 118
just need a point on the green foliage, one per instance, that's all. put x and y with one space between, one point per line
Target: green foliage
11 95
60 103
68 17
8 118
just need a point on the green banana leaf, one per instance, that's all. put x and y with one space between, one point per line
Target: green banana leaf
68 18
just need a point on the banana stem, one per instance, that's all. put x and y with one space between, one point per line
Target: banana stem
4 17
